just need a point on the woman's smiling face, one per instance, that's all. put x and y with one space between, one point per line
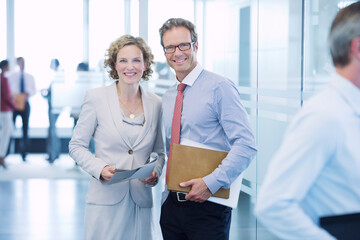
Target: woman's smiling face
130 64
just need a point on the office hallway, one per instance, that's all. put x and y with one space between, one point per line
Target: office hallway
39 201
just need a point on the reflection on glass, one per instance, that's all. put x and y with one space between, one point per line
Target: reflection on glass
317 61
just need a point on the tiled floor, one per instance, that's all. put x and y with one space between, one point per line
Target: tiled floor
39 201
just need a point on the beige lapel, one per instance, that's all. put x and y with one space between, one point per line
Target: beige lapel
116 114
148 113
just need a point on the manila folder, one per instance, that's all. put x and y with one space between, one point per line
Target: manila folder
187 163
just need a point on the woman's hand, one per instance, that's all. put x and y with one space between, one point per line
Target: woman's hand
107 173
152 179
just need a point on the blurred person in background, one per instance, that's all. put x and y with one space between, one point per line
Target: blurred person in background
22 85
83 66
53 143
315 173
7 107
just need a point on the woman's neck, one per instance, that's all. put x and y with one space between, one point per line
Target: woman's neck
128 92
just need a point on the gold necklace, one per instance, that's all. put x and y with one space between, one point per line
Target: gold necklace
132 113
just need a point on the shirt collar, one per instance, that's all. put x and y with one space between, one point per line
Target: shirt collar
348 90
192 76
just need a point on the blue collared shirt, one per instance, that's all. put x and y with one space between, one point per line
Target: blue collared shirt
316 171
213 115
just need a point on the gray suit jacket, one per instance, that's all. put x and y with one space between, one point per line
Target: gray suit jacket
101 118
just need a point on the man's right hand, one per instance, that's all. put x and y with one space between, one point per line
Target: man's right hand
199 191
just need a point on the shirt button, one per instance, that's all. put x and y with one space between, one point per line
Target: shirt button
130 151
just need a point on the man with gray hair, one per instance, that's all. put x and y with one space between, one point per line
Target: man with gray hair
315 173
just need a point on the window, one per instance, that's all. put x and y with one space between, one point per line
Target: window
106 25
184 9
54 30
3 30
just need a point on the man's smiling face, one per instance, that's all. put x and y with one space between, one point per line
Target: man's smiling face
183 62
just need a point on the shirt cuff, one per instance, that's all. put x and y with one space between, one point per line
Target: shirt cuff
211 183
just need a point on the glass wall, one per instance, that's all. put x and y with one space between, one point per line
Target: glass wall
279 76
274 50
229 42
317 61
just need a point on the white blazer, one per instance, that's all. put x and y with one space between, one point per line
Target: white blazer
101 118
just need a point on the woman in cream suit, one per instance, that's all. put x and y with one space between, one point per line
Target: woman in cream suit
125 123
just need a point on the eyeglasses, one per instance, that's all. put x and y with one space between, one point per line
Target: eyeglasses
181 46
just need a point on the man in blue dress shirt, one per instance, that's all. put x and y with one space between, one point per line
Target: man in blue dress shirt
316 171
213 115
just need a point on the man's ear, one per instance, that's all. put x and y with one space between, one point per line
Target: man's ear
196 46
355 47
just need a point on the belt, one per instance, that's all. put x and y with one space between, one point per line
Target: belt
179 196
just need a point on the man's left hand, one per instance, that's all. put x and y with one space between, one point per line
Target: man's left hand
199 191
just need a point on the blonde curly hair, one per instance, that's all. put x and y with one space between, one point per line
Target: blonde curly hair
125 40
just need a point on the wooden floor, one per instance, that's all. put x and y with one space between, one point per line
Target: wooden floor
53 208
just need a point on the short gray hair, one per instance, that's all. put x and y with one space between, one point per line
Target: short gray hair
345 27
178 22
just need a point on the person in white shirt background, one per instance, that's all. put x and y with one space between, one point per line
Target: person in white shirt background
53 143
28 87
315 172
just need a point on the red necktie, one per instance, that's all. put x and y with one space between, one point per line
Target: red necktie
176 121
